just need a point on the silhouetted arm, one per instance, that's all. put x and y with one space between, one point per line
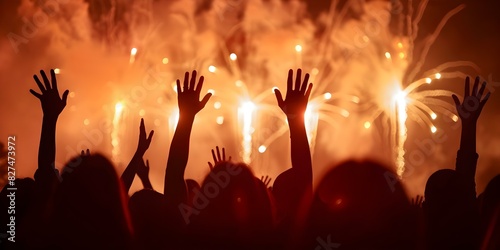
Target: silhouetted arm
143 145
188 98
143 173
52 106
469 111
294 106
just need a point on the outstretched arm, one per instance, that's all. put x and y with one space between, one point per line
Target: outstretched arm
294 106
52 106
469 111
188 98
143 173
143 145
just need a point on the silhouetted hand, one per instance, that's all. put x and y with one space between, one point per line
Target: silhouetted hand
417 202
472 105
295 103
52 103
266 180
143 170
218 158
189 96
85 153
144 142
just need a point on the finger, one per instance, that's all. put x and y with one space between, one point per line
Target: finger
142 129
481 90
205 100
298 78
279 97
456 100
82 153
40 86
483 102
304 84
210 166
150 137
308 91
193 80
45 80
218 153
179 90
229 158
54 79
65 96
200 84
88 152
213 156
476 85
467 87
35 94
186 79
289 81
262 178
224 154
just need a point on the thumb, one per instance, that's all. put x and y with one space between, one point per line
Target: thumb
65 96
279 97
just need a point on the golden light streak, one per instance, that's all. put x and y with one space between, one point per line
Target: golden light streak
115 138
133 52
245 117
402 115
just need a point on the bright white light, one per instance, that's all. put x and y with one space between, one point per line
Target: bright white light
233 57
454 118
164 60
219 120
217 105
327 96
298 48
262 149
211 91
433 116
57 71
238 83
433 129
401 55
212 68
428 80
367 125
400 45
133 51
387 55
438 76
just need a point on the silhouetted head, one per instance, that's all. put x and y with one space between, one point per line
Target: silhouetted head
451 213
156 223
361 205
233 207
91 204
445 192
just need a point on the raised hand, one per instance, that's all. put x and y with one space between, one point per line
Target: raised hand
143 173
218 158
52 103
189 96
473 103
417 201
144 141
295 102
266 180
85 153
136 161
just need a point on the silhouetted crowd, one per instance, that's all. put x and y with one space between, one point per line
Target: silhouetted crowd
357 204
